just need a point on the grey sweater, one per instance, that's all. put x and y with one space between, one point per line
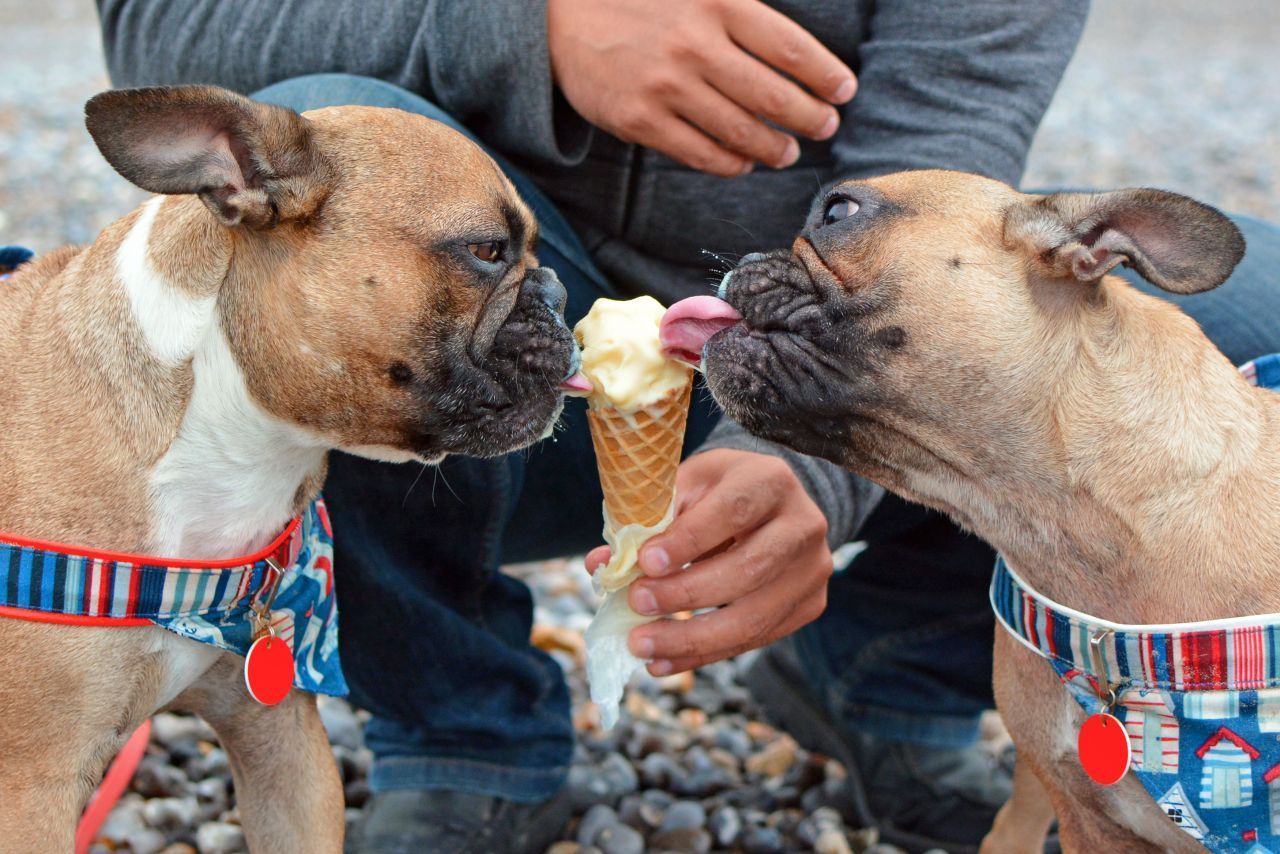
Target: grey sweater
957 84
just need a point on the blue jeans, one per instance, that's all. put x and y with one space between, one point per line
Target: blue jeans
435 639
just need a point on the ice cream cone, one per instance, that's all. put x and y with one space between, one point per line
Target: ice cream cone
637 455
637 408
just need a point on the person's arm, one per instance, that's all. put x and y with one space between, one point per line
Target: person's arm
956 84
844 498
947 84
484 63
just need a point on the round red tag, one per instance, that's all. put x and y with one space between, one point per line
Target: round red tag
268 670
1104 748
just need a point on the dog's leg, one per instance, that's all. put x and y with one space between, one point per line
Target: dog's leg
287 785
69 697
38 812
1023 822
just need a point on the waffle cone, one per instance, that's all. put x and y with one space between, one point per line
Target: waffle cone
638 454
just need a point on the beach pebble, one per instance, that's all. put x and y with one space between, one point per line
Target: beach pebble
684 815
594 821
694 840
832 841
171 814
620 839
220 838
146 841
762 840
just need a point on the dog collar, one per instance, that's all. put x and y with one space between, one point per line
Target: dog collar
206 601
1214 655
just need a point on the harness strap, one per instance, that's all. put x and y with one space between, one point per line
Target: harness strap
58 583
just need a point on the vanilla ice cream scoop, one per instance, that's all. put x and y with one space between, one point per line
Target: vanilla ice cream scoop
622 356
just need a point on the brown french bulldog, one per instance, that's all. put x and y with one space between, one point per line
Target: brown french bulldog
353 278
963 344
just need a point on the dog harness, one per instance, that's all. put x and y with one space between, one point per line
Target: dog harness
1200 702
214 602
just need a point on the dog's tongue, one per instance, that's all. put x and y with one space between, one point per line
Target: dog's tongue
689 324
576 384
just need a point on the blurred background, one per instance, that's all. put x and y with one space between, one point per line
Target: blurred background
1178 94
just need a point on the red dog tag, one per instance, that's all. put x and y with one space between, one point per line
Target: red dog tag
1104 748
268 670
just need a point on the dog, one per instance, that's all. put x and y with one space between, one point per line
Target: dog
964 345
352 278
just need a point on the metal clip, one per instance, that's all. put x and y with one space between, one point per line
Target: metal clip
1106 690
262 610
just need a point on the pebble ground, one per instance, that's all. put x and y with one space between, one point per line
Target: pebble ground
1167 93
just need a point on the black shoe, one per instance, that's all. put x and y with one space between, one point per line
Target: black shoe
408 821
919 798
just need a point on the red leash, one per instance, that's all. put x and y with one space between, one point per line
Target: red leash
119 773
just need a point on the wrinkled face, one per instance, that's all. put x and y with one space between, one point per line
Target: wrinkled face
885 326
925 321
406 316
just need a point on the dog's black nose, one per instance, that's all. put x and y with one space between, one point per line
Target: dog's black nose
544 285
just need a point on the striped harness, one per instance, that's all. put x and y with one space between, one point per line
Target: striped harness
1200 702
212 602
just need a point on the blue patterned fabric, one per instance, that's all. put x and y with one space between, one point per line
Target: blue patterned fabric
304 613
1200 702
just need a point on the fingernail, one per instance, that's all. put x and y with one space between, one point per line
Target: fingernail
846 90
746 168
655 560
642 648
791 155
660 668
833 122
645 602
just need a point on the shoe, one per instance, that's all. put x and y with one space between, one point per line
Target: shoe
416 821
920 798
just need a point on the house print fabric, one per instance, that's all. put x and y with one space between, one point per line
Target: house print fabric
1200 702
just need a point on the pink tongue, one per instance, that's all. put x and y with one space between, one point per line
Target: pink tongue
689 324
576 384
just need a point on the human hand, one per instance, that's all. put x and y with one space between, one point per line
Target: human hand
757 545
696 79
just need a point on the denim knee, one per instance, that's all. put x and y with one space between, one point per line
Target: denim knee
313 91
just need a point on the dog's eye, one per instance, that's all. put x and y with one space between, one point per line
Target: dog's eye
838 209
487 252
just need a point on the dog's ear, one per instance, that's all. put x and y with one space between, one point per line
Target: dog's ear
252 164
1174 242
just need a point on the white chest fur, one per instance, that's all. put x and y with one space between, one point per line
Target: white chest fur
228 482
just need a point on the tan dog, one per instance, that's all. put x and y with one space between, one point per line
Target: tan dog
961 343
357 278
